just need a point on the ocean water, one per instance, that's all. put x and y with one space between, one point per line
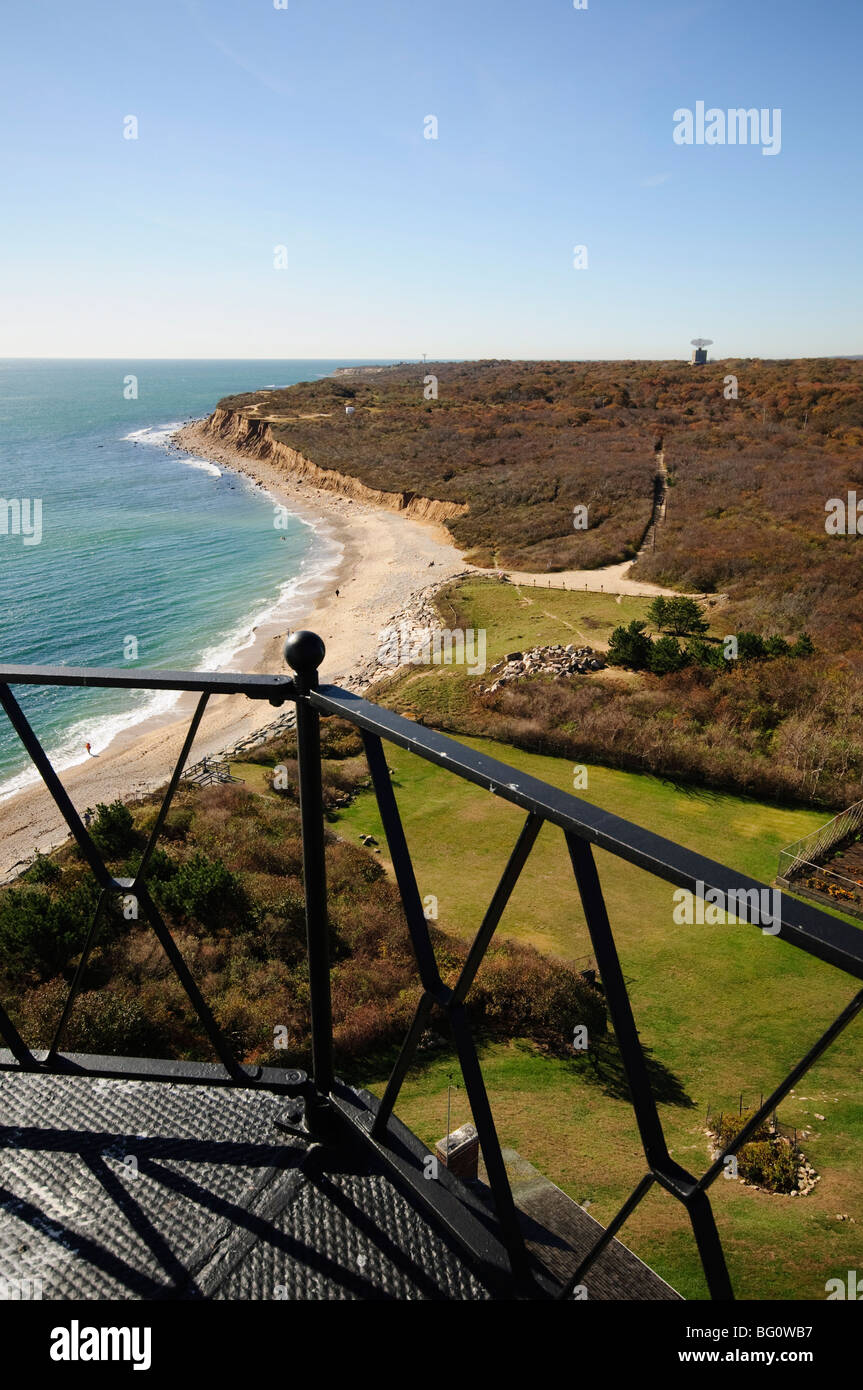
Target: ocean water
136 541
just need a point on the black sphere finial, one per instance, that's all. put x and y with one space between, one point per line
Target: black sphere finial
304 651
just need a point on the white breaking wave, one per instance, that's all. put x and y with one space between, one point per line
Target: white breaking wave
160 436
316 574
99 733
292 600
155 434
204 465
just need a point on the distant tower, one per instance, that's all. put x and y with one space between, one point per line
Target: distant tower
699 356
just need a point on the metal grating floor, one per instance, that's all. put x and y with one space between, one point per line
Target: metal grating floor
126 1189
154 1190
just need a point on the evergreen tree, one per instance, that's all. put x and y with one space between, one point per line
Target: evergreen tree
656 613
706 654
776 646
630 646
751 647
683 616
667 655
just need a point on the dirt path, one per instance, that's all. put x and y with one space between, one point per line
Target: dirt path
611 579
660 499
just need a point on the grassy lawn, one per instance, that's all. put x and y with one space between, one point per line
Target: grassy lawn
514 618
253 774
722 1010
514 615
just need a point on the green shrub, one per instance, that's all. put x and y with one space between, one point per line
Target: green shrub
179 819
40 934
771 1164
524 993
767 1160
281 749
161 868
178 822
338 783
205 890
727 1128
776 646
110 1022
113 829
666 655
750 647
705 654
262 850
42 870
630 646
340 739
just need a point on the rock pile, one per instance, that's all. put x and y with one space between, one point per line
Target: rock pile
544 661
806 1178
418 618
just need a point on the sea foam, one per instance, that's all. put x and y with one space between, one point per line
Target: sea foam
316 573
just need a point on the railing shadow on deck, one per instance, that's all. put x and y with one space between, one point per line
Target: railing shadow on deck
329 1110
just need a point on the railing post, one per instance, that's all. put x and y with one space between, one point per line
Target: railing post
305 651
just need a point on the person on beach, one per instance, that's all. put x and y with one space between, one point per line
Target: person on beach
89 751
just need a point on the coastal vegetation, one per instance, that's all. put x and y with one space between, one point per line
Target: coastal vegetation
228 883
768 1159
632 646
712 1006
748 474
777 722
726 755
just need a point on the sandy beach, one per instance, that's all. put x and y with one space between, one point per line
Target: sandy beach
387 561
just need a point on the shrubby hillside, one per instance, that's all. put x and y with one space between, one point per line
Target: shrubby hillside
524 443
229 884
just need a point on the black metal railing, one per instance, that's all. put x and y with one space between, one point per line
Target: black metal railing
331 1109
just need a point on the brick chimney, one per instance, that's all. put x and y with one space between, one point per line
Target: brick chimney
459 1151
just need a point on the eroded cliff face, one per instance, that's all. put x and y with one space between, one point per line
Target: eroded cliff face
255 437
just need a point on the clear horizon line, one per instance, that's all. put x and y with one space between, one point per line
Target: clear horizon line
396 361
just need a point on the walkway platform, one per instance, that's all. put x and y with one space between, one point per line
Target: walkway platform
152 1190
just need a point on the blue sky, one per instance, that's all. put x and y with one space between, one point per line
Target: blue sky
304 127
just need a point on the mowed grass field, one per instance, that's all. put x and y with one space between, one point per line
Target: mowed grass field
532 614
721 1009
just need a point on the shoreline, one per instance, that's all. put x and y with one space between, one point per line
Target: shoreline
387 561
387 568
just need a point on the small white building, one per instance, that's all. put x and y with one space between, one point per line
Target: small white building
349 410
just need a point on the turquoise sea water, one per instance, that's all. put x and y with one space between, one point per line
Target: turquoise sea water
135 541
